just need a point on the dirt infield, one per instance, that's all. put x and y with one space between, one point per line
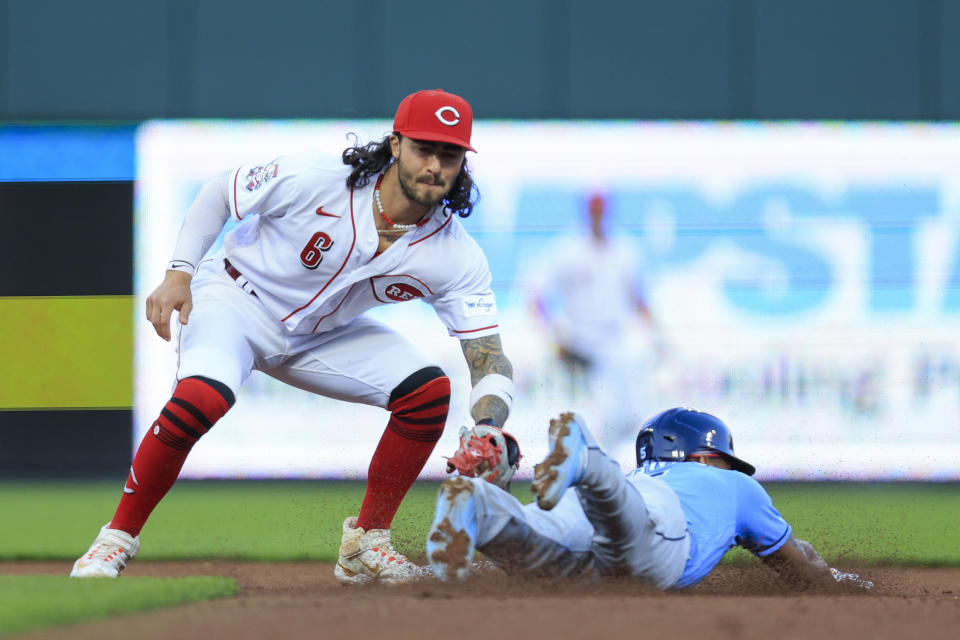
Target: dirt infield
304 600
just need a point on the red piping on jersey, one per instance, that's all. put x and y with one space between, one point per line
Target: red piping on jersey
449 218
493 326
353 221
347 295
397 275
236 211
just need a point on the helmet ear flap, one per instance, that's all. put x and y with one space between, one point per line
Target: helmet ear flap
644 446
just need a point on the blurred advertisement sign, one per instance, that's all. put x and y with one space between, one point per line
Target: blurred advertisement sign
805 278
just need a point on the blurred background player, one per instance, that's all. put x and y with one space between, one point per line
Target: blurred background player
320 243
588 296
668 522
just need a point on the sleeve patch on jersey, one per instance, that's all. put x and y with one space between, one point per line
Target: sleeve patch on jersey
479 306
259 176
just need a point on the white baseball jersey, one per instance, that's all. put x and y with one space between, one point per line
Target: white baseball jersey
308 249
594 284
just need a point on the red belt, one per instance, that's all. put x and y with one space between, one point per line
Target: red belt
235 274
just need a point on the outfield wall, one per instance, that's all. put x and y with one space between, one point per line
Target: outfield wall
726 59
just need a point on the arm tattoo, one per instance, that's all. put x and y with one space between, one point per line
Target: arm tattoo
485 356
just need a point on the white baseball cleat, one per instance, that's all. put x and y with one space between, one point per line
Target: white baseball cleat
566 463
452 538
108 555
368 556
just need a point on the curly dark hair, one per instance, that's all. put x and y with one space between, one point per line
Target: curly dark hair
370 159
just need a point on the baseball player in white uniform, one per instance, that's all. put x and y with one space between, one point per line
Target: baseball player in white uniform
321 243
586 296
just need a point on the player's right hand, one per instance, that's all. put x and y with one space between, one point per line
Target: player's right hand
173 294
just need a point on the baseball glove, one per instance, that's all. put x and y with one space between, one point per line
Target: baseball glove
486 452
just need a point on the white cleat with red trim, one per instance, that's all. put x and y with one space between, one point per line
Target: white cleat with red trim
108 555
368 556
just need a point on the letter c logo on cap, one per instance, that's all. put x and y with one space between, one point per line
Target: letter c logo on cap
452 120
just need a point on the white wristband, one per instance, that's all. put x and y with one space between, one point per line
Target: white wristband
181 265
493 384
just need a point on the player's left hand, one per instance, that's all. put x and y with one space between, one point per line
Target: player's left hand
851 578
484 453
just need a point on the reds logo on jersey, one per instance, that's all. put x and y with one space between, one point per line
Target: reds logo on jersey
259 176
398 288
400 292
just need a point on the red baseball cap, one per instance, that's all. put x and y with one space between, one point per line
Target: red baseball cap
435 115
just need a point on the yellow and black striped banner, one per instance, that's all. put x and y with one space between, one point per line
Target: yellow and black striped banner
66 327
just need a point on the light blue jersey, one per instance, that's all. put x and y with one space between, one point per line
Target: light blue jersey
724 509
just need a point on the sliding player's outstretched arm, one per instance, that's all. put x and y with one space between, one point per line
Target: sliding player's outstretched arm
800 564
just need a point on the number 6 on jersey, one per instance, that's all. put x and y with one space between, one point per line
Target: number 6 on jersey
312 254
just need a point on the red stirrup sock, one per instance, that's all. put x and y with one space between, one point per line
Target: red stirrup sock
415 425
196 405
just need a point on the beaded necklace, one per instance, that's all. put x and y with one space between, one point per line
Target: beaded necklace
395 227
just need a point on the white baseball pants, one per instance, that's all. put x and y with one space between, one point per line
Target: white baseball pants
229 334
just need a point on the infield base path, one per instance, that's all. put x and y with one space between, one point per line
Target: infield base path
304 600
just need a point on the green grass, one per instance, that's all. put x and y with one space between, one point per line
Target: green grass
266 521
286 521
893 524
33 602
274 521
